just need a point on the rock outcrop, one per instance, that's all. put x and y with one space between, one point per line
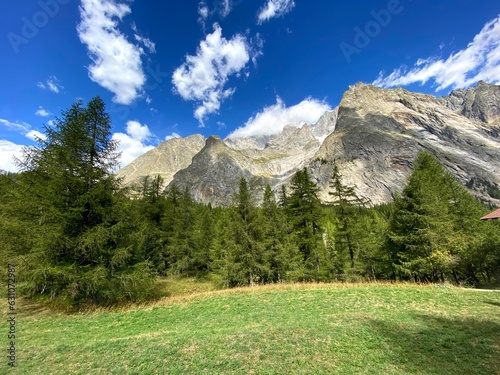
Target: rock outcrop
215 172
480 103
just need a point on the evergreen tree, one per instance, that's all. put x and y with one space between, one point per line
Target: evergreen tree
253 260
434 230
279 242
303 208
283 197
150 207
179 233
203 236
344 200
370 231
82 249
224 249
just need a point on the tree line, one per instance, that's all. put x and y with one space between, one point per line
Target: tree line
77 236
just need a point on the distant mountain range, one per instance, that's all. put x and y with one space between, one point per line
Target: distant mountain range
373 136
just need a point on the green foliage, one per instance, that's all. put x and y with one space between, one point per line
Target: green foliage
78 238
304 212
434 232
82 248
286 263
345 200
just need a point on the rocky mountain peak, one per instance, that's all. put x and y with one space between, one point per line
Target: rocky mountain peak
480 103
165 160
293 138
214 141
379 133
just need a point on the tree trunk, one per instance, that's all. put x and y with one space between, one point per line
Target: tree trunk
351 250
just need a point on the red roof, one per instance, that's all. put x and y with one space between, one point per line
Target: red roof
493 215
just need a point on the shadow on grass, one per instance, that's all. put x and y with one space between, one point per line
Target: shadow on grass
28 307
493 303
438 345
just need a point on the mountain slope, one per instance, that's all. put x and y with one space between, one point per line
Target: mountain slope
216 171
165 160
379 133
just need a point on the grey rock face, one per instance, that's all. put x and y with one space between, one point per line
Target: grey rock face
380 132
215 172
325 125
480 103
165 160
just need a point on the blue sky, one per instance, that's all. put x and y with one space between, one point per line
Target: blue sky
240 67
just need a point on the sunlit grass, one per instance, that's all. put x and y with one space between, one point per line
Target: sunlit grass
275 329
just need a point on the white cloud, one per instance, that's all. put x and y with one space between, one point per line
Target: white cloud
221 7
8 151
116 63
225 8
203 13
273 119
21 127
131 145
42 112
137 131
479 61
172 136
203 10
34 135
274 9
148 43
51 84
203 77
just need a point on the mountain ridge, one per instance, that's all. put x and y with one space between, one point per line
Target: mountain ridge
373 135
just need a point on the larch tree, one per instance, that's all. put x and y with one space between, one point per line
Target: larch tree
279 241
83 248
345 199
435 231
304 210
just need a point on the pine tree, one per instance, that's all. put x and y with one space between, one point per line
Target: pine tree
304 210
251 256
224 249
279 243
180 232
344 200
203 236
150 205
82 249
434 230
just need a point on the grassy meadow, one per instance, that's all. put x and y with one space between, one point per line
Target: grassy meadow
281 329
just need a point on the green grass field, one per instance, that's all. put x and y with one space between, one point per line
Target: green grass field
290 329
